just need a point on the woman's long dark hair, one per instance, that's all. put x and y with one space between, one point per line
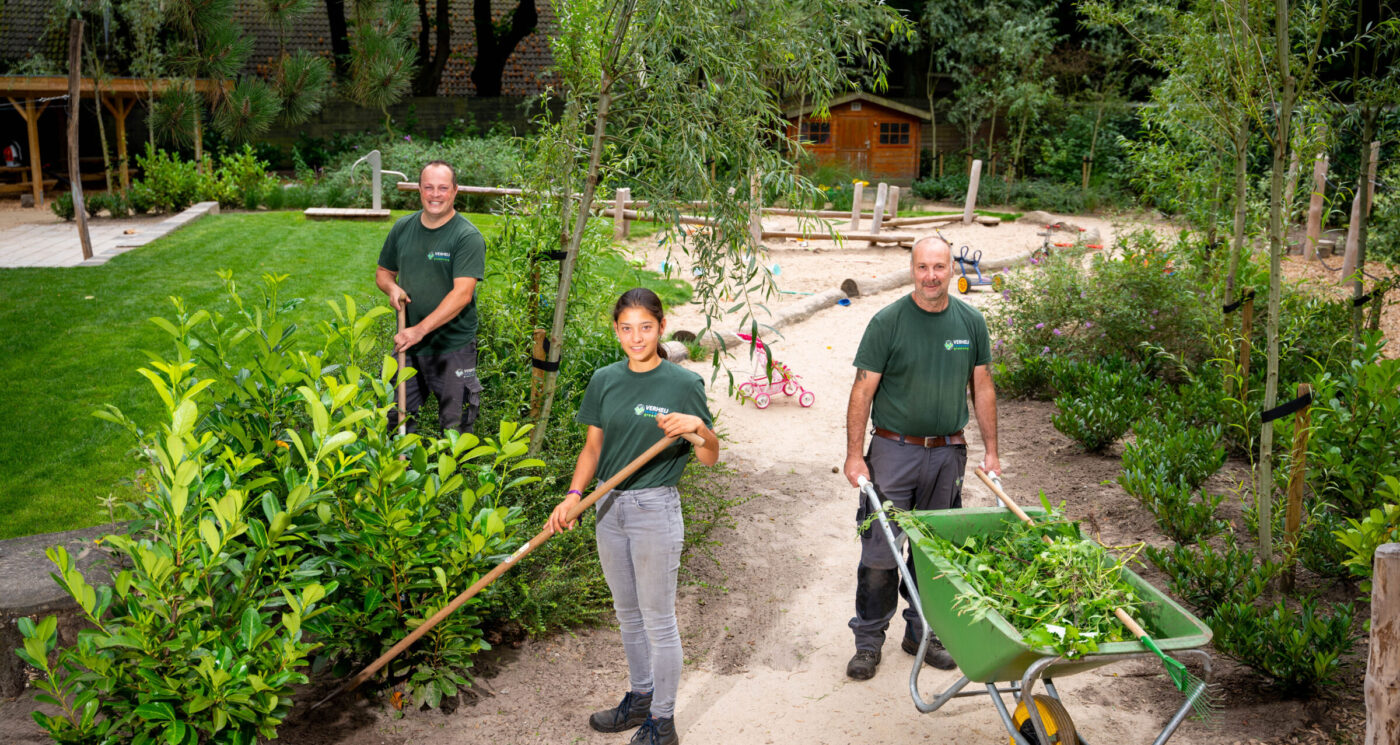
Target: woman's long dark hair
641 297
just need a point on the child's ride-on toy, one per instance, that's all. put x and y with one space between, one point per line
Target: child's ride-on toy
761 386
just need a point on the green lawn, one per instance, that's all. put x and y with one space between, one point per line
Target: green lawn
76 337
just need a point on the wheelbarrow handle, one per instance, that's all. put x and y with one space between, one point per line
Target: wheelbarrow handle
868 490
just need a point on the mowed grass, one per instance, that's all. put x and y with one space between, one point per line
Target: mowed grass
76 337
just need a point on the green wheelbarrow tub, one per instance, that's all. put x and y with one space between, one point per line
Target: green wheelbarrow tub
990 649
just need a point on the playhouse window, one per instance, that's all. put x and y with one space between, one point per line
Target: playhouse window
894 133
816 133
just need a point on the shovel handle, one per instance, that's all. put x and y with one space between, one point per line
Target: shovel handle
501 568
403 385
994 484
1129 624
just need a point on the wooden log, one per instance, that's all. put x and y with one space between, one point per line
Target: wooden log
1382 686
490 190
1314 228
1353 245
900 222
893 203
75 174
974 180
857 196
345 213
620 222
1293 520
788 212
843 237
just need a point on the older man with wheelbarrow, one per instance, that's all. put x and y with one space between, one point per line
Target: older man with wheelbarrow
917 358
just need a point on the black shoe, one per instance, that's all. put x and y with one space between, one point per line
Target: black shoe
633 711
935 656
656 731
862 665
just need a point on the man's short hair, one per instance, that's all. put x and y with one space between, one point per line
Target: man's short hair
935 239
452 171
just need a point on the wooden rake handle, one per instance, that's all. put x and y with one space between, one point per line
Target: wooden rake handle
1129 624
491 576
403 386
995 485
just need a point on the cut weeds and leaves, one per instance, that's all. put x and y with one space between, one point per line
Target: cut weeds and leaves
1060 596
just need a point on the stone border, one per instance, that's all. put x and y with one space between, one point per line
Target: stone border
158 230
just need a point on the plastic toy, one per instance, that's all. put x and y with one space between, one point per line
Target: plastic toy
760 387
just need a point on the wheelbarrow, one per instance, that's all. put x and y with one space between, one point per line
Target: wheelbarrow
991 652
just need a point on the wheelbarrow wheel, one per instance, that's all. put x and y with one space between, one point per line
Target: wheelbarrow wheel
963 285
1058 725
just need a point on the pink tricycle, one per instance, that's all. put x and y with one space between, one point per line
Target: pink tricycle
760 388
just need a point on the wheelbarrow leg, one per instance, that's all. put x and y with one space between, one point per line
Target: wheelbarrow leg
1006 715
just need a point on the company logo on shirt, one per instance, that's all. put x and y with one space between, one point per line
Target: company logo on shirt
439 256
957 344
649 411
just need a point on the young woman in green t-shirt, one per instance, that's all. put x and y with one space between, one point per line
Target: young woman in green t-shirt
628 407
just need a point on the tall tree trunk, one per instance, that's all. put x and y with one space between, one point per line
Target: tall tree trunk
1094 138
1264 493
340 36
424 34
590 185
75 174
1241 205
932 114
1363 183
430 70
492 51
97 72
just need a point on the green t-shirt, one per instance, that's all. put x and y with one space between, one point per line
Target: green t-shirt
925 361
625 404
427 261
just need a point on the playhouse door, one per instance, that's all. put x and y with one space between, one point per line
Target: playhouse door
853 142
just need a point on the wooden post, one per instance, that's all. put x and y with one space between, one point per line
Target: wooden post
882 194
893 209
120 107
1353 244
973 181
30 114
1371 178
1382 686
1293 521
537 352
620 224
1315 208
1246 346
1084 174
75 172
857 201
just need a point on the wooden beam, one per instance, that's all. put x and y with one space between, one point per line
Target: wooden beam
121 106
39 86
1383 664
31 120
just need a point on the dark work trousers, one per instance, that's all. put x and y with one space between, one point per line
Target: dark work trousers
911 477
451 377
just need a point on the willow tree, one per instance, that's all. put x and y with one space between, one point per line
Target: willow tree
681 101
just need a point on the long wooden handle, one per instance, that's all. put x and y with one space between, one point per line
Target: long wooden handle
1010 505
501 568
1129 624
403 386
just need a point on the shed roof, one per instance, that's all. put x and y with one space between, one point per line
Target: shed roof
795 111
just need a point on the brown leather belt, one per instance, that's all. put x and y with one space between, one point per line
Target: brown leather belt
937 441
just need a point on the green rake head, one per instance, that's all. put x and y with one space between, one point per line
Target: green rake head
1198 692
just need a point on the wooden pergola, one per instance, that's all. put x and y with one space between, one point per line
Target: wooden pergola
30 96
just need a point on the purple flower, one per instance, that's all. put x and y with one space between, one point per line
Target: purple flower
1040 325
1081 295
1034 260
1088 324
1006 294
999 343
1010 322
1045 350
1154 328
406 138
1154 312
1057 332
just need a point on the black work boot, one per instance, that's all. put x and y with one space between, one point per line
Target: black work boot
935 655
656 731
634 709
862 665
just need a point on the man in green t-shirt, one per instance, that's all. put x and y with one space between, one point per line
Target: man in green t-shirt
916 362
429 267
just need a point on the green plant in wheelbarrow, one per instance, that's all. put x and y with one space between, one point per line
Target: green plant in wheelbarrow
1197 692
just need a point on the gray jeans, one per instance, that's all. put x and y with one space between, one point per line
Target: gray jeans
640 536
912 477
